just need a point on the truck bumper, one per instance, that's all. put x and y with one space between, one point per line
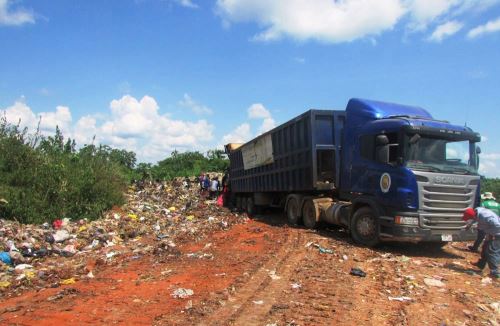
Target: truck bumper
396 232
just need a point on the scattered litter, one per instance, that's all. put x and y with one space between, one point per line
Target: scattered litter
59 248
4 284
181 293
401 299
404 259
296 286
273 276
323 250
486 281
68 281
357 272
5 258
61 236
258 302
434 282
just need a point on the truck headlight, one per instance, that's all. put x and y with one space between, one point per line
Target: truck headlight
406 220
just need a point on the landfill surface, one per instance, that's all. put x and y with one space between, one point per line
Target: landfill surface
171 256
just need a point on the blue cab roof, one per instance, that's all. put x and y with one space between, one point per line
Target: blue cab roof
370 110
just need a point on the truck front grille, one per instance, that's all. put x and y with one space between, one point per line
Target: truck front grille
441 206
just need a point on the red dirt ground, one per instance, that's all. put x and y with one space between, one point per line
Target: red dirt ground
265 273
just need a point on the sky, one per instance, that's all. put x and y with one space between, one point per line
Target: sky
153 76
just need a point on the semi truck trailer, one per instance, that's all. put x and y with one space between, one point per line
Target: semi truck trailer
384 171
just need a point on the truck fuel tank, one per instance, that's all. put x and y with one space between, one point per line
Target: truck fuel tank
336 213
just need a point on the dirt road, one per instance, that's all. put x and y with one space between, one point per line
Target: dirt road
262 272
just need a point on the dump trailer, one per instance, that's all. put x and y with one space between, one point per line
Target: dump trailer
382 170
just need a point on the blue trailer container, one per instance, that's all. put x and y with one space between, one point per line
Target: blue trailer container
383 170
303 156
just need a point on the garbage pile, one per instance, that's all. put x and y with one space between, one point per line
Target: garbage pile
156 218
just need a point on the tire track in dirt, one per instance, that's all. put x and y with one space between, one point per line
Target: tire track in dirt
329 295
252 302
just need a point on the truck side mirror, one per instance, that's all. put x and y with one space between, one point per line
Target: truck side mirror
381 140
478 150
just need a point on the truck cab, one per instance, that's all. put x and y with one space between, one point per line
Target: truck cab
406 175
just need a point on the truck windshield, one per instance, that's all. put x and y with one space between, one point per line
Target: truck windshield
428 153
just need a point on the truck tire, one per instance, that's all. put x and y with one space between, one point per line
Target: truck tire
310 214
250 208
293 211
364 227
238 202
244 204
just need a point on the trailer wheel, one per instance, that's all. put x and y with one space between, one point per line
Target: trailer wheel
238 202
364 227
310 214
244 204
250 207
293 211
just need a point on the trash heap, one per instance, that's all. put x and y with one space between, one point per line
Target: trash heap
156 218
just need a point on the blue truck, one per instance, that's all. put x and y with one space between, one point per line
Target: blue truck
381 170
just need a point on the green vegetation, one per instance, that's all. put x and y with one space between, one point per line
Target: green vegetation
491 185
47 178
187 164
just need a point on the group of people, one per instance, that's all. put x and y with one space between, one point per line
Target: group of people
213 185
488 229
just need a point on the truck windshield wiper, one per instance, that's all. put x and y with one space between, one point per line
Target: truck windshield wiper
424 167
458 170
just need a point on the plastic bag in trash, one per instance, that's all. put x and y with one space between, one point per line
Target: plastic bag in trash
5 258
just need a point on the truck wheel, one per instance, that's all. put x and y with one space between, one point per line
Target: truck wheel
292 211
310 215
250 207
364 227
244 204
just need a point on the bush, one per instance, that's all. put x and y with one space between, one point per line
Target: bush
491 185
45 178
184 164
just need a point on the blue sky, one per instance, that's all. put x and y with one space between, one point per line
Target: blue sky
157 75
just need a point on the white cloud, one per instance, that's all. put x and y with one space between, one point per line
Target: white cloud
61 118
423 12
15 17
20 113
258 111
187 4
445 30
135 125
267 125
490 27
323 20
197 108
489 164
347 20
241 134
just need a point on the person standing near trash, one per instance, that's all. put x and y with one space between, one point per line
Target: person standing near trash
206 183
488 201
214 187
489 223
201 178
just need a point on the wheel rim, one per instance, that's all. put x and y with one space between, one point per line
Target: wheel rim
366 226
309 215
